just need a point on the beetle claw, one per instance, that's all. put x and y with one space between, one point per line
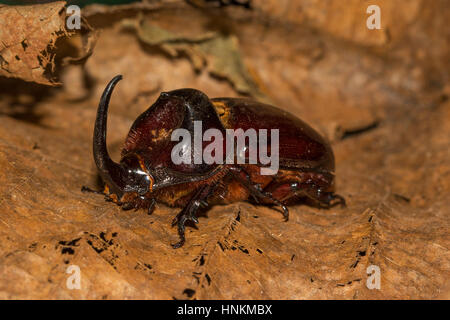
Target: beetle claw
180 243
340 201
285 212
180 220
151 208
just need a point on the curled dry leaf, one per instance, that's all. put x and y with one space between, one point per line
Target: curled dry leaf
27 40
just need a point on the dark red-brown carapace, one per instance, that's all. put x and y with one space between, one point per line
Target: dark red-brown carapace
146 173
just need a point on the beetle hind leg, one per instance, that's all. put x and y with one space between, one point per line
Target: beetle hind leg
327 200
257 193
323 199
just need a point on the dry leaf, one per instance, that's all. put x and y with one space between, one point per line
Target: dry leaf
27 40
386 109
220 53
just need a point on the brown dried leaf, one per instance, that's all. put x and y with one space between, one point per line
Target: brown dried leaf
395 174
218 52
27 40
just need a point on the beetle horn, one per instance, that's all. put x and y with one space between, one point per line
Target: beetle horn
111 172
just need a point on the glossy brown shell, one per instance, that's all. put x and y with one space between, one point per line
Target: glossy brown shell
300 146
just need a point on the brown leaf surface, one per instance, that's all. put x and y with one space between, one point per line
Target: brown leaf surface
218 53
383 104
27 40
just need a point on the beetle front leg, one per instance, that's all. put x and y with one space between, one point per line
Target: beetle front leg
189 212
85 189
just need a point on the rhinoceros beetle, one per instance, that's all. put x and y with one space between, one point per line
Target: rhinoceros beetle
147 174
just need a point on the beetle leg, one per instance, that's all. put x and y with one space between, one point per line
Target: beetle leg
151 208
85 189
238 170
128 206
324 199
256 191
327 198
189 211
267 195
